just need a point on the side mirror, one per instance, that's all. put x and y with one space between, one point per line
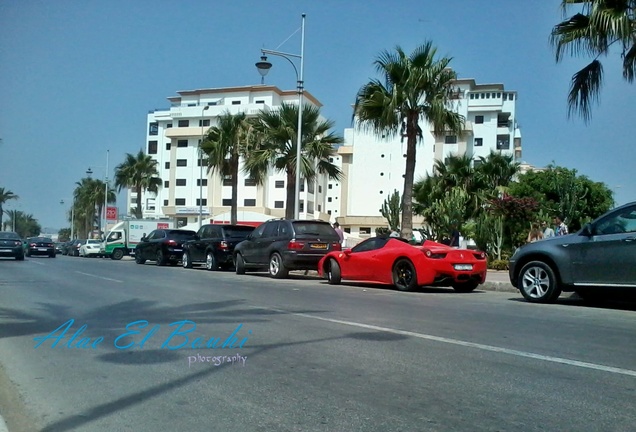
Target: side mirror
144 238
347 252
587 230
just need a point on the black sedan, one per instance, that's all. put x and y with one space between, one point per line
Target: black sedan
11 245
163 246
40 246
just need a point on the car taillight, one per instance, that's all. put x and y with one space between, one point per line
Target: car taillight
223 245
480 255
295 245
32 244
171 242
336 246
432 255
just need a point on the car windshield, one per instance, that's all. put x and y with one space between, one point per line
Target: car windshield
41 240
9 235
314 228
181 234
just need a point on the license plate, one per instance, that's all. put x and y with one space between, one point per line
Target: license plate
318 246
6 250
177 250
42 249
463 266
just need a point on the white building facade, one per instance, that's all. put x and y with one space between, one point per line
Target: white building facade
173 137
374 166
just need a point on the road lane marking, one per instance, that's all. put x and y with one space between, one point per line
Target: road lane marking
483 347
100 277
38 263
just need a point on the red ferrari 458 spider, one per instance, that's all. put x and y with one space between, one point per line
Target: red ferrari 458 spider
394 261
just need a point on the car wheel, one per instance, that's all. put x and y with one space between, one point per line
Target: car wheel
159 259
240 265
333 272
538 283
117 254
277 269
465 287
404 275
210 262
28 254
185 261
139 259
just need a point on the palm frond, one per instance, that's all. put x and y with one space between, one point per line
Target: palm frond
585 89
629 63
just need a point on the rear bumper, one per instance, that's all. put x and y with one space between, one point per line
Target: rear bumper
299 261
37 251
11 252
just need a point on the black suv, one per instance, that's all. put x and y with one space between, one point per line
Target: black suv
598 259
282 245
163 246
214 245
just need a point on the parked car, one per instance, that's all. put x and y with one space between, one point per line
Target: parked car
214 246
11 245
40 246
74 247
163 246
392 260
90 248
598 259
282 245
59 247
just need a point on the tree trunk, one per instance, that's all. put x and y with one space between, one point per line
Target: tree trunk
234 208
407 196
290 208
138 209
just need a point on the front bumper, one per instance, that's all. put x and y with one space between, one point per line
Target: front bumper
11 252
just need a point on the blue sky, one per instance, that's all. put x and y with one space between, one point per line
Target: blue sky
78 78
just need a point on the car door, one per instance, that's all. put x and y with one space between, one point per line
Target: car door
358 263
264 245
144 245
156 243
608 256
197 247
248 247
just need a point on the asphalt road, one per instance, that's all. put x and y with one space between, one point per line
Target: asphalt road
314 357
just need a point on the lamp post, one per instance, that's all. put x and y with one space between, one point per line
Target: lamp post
263 68
201 168
72 217
89 172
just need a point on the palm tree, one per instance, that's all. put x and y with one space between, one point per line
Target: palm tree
5 195
277 132
496 171
599 25
224 144
138 172
414 88
89 198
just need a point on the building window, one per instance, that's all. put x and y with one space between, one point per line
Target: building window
328 212
249 203
319 189
319 207
165 202
347 230
487 95
167 165
329 199
479 142
153 129
331 160
330 186
204 122
301 207
227 202
450 139
472 96
259 101
279 204
133 200
302 185
182 162
202 161
236 102
365 230
310 187
152 147
180 201
498 95
511 96
279 184
168 146
503 142
227 180
205 201
166 183
182 143
169 125
181 182
205 182
503 120
479 119
184 123
250 182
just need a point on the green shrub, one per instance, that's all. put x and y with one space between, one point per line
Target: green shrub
498 265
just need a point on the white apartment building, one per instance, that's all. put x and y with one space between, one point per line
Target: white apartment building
173 137
374 166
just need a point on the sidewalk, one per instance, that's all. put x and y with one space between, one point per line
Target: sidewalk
3 425
497 280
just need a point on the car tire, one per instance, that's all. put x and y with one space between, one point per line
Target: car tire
28 254
139 259
538 283
117 254
210 261
404 275
160 260
277 268
240 264
465 287
333 272
186 262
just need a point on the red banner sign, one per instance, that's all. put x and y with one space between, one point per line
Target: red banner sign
111 213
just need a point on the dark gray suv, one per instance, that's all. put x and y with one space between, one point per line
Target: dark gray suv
282 245
601 257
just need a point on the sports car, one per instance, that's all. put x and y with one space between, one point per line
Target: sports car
390 260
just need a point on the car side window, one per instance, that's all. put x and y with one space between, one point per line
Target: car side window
271 230
618 223
258 232
370 244
283 229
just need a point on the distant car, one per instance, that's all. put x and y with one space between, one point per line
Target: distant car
392 260
214 245
59 247
599 259
282 245
164 246
11 245
74 247
40 246
90 248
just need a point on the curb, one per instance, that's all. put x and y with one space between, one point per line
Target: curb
3 425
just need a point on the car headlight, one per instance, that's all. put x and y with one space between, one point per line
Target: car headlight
515 252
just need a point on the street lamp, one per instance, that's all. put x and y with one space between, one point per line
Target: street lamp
72 217
89 172
201 169
263 68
